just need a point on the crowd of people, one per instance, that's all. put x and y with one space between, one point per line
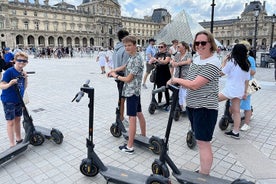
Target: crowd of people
195 68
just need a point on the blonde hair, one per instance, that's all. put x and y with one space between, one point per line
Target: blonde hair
246 44
22 54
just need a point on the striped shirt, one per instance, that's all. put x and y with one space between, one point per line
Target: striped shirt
207 95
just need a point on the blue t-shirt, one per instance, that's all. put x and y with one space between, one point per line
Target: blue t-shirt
9 94
8 57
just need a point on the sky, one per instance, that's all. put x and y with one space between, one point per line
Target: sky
198 9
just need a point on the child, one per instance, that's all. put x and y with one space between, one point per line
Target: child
131 90
10 100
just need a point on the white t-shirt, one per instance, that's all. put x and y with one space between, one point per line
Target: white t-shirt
235 83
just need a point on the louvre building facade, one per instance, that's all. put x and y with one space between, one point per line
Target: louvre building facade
92 23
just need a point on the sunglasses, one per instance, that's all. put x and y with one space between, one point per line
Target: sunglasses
160 47
203 43
22 60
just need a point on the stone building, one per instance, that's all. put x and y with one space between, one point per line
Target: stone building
92 23
243 27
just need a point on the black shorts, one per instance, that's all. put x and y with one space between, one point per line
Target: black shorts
203 122
149 67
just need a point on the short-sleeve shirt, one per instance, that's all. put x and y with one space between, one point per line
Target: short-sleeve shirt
183 68
9 94
252 64
134 66
235 83
8 57
207 95
150 50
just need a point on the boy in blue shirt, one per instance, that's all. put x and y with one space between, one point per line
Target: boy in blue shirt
131 90
10 100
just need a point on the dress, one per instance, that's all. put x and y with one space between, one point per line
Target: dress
182 72
236 77
102 58
162 71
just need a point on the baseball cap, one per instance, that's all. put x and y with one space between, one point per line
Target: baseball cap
7 48
152 40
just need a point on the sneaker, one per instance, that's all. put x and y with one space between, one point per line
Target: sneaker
144 86
125 123
167 108
125 149
245 127
231 134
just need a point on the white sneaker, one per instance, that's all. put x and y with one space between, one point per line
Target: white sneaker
125 122
245 127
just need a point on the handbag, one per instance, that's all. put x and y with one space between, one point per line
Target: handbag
153 76
253 86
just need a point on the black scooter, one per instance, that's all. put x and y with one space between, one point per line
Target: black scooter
117 129
159 166
92 165
34 135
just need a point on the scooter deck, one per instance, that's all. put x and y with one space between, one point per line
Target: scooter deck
45 131
121 176
142 140
196 178
13 151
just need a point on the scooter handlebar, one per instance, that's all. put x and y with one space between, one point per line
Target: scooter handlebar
86 83
158 90
78 96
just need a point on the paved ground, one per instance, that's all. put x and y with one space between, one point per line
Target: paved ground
56 82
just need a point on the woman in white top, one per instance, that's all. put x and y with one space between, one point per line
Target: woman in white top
236 66
102 59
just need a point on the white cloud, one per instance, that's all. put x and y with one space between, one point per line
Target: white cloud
199 10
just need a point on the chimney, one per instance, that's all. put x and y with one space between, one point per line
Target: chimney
46 2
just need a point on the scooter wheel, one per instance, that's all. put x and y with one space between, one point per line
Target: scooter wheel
223 123
37 139
156 146
115 131
57 136
161 169
87 168
190 139
152 108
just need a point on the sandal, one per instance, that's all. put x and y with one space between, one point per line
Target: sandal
18 142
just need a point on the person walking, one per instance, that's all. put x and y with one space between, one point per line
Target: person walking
132 90
102 59
150 52
236 66
202 84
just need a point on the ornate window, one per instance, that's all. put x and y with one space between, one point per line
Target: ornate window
26 25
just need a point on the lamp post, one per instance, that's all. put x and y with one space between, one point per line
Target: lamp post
257 12
212 16
272 29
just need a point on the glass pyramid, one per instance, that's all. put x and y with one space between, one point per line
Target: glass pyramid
183 28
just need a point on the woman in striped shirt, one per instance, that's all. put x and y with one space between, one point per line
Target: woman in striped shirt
202 83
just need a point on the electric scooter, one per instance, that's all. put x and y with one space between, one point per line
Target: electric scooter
226 118
34 135
117 129
92 165
159 166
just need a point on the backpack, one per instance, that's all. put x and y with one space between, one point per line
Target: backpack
272 52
